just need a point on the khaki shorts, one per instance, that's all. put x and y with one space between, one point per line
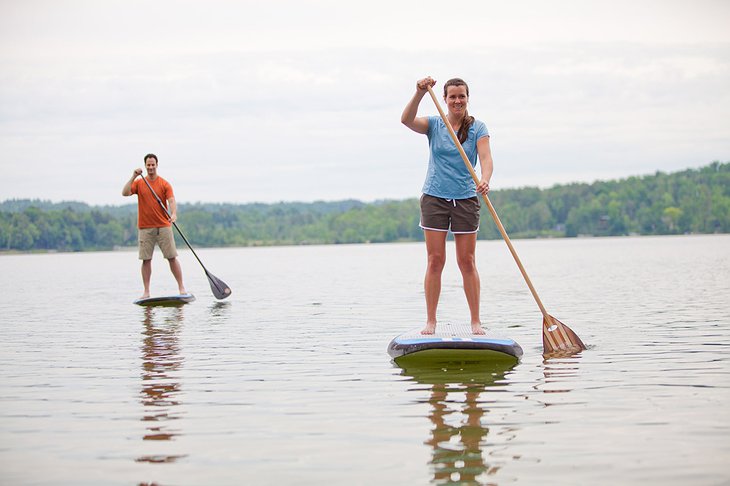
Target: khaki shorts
162 237
458 215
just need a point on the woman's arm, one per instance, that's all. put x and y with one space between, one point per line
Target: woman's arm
418 124
486 165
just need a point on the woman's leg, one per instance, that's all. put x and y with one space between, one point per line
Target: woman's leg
436 251
465 249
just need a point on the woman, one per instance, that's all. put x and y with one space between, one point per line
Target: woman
449 200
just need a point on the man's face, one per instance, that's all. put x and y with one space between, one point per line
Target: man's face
151 165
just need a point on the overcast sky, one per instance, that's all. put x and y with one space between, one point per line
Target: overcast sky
299 100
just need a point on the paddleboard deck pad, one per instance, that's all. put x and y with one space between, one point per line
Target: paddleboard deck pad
451 342
168 300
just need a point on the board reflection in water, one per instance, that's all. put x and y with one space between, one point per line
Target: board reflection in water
161 389
459 395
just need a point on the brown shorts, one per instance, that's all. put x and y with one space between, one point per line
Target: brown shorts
458 215
162 237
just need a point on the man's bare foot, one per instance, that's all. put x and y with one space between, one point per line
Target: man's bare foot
429 329
146 295
477 328
183 291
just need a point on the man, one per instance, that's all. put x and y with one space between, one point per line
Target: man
154 223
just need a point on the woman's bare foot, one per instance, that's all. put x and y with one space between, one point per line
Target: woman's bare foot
477 328
429 329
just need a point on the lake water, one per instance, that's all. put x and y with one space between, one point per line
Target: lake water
289 382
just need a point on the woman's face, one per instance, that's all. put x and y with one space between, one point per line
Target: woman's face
456 99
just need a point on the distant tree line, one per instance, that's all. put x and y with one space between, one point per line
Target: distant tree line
691 201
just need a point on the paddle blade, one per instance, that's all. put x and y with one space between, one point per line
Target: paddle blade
218 286
559 338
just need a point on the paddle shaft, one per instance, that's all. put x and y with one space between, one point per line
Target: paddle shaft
495 217
174 224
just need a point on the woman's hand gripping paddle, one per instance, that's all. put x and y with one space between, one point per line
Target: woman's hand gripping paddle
218 286
556 336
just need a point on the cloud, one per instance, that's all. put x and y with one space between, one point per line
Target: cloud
244 105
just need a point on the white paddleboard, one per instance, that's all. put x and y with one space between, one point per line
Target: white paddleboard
167 300
452 342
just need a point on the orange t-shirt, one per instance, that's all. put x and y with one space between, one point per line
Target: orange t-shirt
149 212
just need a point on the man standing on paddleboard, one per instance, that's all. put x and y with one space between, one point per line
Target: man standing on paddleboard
154 222
449 201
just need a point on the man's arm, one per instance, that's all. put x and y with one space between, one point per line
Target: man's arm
127 189
173 209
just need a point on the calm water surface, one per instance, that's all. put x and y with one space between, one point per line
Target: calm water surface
289 382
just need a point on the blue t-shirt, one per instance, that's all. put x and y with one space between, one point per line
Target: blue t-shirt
447 176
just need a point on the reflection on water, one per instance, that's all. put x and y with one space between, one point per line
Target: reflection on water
559 372
219 310
161 364
460 395
268 388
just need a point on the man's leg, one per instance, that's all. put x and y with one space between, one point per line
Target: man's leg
167 245
176 270
146 275
146 248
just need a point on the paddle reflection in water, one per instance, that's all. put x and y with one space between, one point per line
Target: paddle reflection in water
219 311
160 395
559 371
460 396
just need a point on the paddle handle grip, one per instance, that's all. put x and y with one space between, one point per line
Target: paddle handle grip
491 209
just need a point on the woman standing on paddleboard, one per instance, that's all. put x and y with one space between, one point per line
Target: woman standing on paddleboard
449 200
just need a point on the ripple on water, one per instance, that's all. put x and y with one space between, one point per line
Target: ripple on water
269 384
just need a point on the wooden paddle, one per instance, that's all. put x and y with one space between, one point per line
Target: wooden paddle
219 288
556 336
